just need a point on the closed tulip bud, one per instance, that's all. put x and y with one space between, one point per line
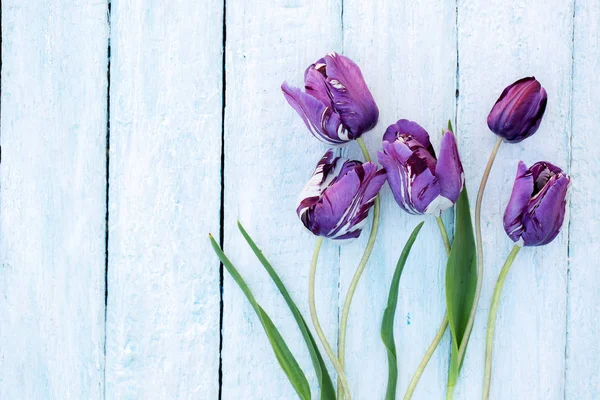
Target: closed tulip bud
336 201
337 106
519 110
536 210
420 182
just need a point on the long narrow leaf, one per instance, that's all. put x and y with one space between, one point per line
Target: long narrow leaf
282 352
461 279
327 390
387 325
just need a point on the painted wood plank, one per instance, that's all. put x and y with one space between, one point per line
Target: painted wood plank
407 52
500 42
583 329
52 196
163 277
269 157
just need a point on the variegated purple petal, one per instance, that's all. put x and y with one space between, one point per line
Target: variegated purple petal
315 82
346 195
449 170
409 174
406 127
545 212
320 120
352 99
346 203
518 112
519 198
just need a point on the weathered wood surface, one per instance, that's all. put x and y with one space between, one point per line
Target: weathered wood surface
52 200
165 141
190 81
269 157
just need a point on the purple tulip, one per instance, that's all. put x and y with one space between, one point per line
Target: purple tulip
536 209
337 106
519 110
336 201
420 183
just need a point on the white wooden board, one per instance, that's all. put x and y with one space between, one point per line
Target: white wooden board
269 157
52 199
583 323
163 278
500 42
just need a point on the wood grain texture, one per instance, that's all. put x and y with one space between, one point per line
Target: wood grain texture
583 329
500 42
163 277
52 199
407 52
269 157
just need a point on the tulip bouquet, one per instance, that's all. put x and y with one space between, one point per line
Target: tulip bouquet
338 108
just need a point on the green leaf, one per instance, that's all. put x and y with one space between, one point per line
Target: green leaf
387 325
461 279
282 352
450 126
325 383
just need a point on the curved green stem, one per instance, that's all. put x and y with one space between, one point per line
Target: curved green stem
364 149
489 338
315 319
359 270
440 333
479 242
444 234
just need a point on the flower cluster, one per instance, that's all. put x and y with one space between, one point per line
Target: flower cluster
338 108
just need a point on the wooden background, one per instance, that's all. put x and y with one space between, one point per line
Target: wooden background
130 130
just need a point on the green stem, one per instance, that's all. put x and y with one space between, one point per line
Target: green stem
358 273
440 333
479 242
364 149
315 319
489 339
444 234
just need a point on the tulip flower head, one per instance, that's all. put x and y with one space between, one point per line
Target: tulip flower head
518 111
420 182
536 210
336 201
337 106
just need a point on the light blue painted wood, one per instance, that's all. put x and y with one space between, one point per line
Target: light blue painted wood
163 277
52 194
500 42
583 329
166 109
269 157
407 52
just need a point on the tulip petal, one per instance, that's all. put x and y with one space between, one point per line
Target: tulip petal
519 198
449 170
320 120
410 175
406 127
352 99
315 82
546 212
337 199
518 112
345 204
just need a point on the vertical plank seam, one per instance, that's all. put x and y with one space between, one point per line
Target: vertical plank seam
222 200
570 160
107 170
456 129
